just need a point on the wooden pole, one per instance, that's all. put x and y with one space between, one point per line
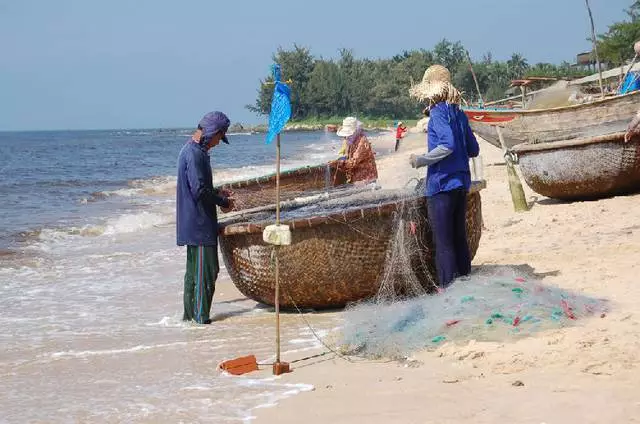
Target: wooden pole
595 48
277 262
475 79
515 186
523 90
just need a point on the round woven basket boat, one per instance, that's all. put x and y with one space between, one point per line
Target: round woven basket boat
336 257
261 191
581 169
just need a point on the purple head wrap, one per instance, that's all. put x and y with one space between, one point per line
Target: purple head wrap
356 135
213 122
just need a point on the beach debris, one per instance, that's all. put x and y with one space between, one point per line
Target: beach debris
452 322
517 383
239 366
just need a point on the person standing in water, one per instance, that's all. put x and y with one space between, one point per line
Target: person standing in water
196 216
450 144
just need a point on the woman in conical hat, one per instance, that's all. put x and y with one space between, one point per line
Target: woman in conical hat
357 158
450 144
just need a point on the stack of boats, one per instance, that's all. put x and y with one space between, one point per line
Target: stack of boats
569 152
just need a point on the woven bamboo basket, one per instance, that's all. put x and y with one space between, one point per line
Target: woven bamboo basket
261 191
582 169
335 258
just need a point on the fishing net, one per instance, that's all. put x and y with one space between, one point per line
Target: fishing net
487 306
559 94
409 313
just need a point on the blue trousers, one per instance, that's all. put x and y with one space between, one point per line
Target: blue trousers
447 215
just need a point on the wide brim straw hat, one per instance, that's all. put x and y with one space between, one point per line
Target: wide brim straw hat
348 128
435 86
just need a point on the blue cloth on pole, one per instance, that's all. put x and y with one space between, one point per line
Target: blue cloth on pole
630 83
280 105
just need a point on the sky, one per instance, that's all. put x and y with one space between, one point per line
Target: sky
89 64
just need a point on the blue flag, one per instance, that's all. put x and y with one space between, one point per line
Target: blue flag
280 105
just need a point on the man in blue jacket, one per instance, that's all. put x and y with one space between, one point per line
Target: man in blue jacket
196 215
450 145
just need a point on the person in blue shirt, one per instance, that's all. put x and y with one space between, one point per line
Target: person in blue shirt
196 215
450 144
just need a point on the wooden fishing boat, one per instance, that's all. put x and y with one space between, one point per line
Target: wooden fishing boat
585 168
576 122
339 247
261 191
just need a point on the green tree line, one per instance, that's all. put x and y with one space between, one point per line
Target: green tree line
378 88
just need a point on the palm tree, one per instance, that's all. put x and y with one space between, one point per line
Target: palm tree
517 66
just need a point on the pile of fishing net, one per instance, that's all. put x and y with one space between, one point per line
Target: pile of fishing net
560 94
487 306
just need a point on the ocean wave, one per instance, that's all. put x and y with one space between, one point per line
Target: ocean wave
130 223
123 224
153 186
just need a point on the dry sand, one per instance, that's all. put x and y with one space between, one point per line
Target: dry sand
584 374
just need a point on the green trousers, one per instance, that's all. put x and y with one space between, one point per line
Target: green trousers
200 282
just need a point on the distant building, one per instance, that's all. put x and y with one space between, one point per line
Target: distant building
587 61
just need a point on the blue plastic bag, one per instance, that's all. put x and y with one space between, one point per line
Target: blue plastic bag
280 105
630 83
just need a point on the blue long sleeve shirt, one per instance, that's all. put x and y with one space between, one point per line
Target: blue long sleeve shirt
449 133
196 199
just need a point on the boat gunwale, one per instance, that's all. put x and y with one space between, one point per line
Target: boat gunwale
525 148
595 103
272 176
341 217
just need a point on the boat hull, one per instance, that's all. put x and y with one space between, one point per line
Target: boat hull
333 260
582 121
582 170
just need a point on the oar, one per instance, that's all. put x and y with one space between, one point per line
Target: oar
515 186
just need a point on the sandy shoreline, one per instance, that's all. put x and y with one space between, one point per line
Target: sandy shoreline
581 374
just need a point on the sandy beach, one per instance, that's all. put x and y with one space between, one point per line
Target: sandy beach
587 373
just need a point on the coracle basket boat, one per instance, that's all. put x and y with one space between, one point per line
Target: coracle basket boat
339 247
261 191
582 169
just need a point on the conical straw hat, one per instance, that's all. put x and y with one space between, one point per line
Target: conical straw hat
436 86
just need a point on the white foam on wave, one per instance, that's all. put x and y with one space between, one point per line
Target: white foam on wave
74 354
272 398
131 223
150 186
75 237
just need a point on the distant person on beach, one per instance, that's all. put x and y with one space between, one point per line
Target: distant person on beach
357 158
450 144
400 132
196 215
